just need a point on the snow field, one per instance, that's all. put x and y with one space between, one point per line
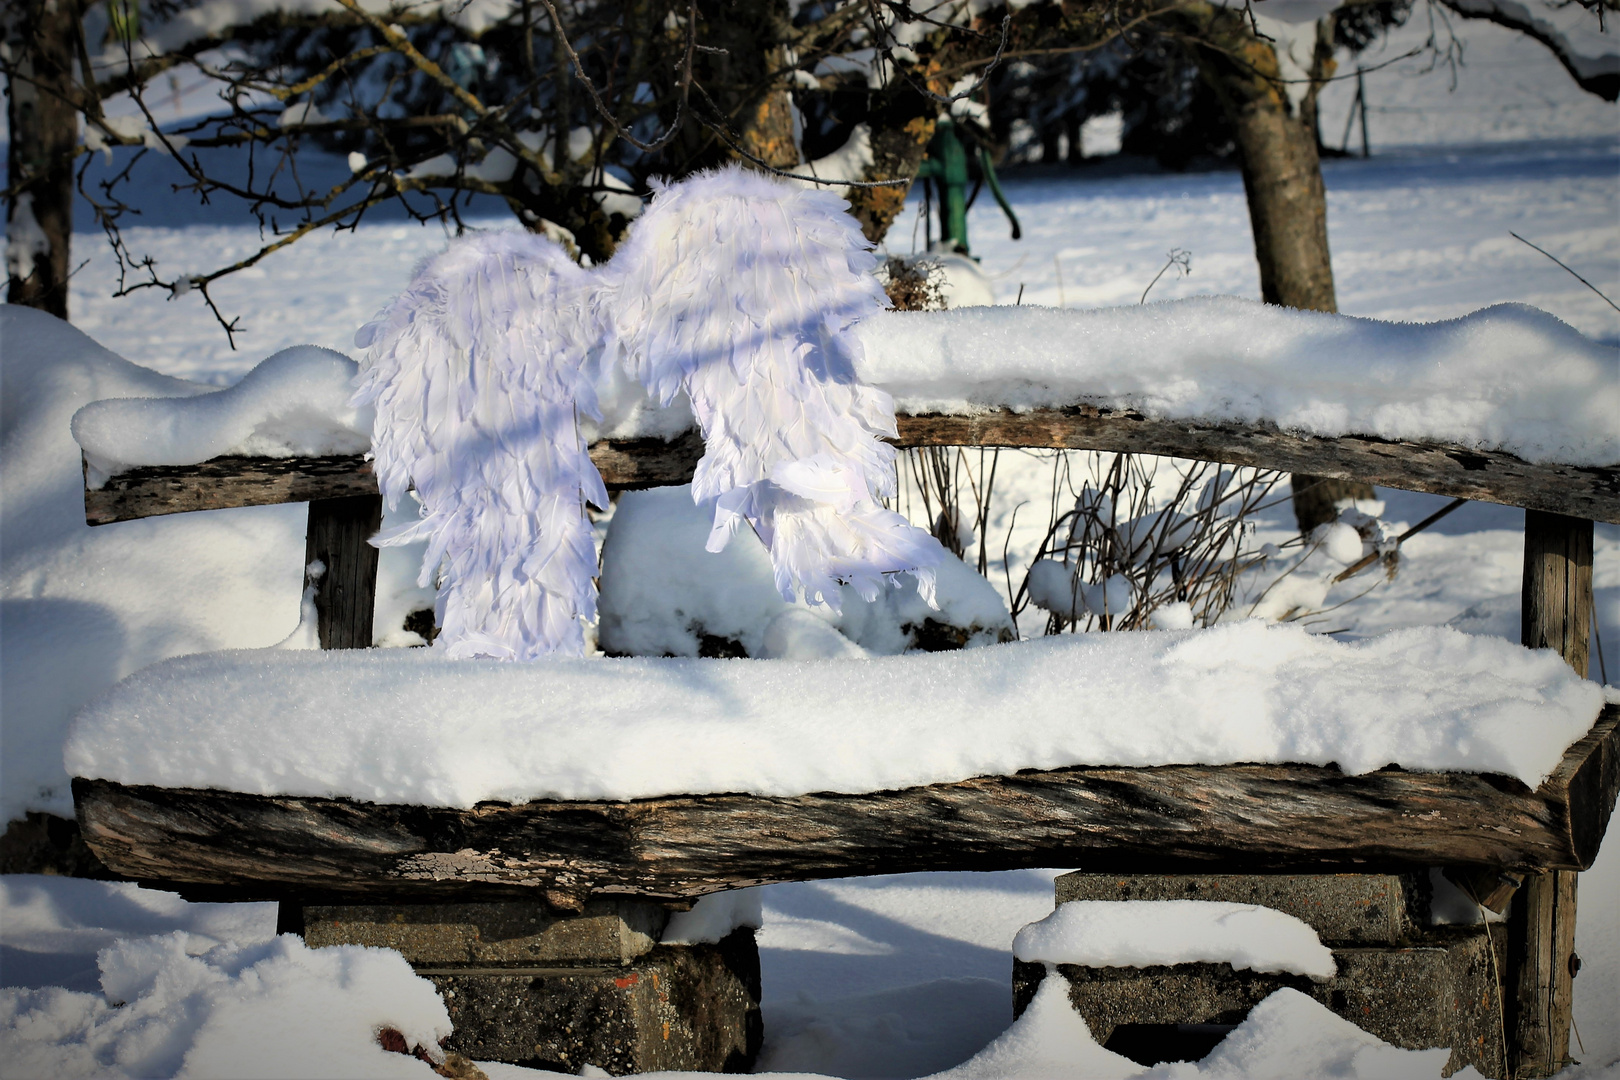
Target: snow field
1415 237
881 977
1506 87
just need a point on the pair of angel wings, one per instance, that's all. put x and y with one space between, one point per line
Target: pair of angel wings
734 288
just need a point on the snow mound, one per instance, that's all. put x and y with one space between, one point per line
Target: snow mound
1222 358
1144 933
714 916
663 593
80 608
1050 1040
293 404
273 1010
405 726
53 926
1286 1037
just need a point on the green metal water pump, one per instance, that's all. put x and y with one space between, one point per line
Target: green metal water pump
946 167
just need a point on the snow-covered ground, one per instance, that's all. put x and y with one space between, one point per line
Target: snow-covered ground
890 977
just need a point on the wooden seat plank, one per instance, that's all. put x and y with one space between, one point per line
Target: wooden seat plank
1178 818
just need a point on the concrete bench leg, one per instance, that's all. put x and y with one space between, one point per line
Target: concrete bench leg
528 986
1411 985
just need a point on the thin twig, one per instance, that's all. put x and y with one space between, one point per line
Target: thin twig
601 106
1179 258
1561 262
1597 632
1367 560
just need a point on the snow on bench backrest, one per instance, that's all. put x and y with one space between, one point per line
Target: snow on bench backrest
1216 379
1507 380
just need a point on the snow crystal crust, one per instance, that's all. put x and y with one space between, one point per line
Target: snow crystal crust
398 726
1222 358
1145 933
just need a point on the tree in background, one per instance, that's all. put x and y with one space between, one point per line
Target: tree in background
563 110
43 125
1197 79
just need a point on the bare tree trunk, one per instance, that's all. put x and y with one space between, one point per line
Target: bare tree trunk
767 120
1282 178
902 122
44 136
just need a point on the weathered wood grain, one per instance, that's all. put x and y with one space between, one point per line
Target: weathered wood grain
346 592
1579 491
628 464
1237 818
1556 598
224 482
152 491
1556 613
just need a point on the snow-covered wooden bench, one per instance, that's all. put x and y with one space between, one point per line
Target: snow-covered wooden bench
676 846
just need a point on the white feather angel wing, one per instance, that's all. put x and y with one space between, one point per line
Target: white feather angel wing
743 291
476 374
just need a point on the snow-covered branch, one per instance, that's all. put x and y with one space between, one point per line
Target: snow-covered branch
1578 34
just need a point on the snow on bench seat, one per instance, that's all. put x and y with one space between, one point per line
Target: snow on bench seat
398 774
397 726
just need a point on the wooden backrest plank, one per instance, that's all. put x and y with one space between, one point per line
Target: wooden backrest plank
1577 491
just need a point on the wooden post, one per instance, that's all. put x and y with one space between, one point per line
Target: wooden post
1557 606
1557 612
347 590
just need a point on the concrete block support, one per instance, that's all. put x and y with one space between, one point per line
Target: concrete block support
1343 909
1439 991
1411 985
529 986
613 932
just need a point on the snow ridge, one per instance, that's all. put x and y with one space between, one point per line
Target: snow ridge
293 404
1217 358
1146 933
406 726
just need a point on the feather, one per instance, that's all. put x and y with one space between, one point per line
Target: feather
477 374
743 292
